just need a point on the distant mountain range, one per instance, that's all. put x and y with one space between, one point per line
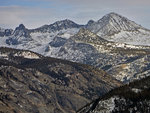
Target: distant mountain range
112 26
103 44
117 28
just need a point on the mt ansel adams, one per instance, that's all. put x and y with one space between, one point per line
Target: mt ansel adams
65 67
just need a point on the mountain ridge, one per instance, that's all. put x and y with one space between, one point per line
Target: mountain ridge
107 18
132 97
114 44
78 44
112 27
58 25
43 84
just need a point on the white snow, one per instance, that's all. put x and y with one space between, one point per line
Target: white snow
140 37
28 55
42 38
29 92
40 41
68 75
20 105
3 41
68 33
106 106
136 90
2 29
52 51
4 56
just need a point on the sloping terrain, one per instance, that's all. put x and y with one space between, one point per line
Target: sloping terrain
100 48
114 27
124 62
38 84
39 40
131 98
31 82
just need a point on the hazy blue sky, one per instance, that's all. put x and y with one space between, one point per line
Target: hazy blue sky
35 13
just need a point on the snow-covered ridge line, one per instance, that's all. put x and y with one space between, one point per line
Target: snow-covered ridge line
5 53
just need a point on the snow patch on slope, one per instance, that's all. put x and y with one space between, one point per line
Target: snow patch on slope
28 55
40 41
105 106
136 90
140 37
4 56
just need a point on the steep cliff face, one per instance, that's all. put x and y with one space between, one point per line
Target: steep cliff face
47 85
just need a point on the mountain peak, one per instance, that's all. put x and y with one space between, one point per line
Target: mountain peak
87 36
112 23
21 31
58 25
117 20
113 14
90 22
65 23
21 27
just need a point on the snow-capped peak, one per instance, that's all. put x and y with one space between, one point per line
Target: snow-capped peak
116 20
57 26
113 14
117 28
64 24
112 23
90 22
20 27
20 31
